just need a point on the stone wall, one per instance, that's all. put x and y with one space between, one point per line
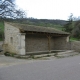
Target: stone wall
61 43
75 45
39 42
36 42
11 43
16 42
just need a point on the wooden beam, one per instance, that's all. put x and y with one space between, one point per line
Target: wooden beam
44 33
49 42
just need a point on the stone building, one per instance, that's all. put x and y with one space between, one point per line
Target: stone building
23 39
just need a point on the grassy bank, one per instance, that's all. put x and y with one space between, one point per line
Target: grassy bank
1 26
74 39
1 30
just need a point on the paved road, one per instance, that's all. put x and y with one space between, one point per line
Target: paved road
57 69
6 61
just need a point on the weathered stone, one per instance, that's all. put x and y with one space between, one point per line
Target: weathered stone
20 42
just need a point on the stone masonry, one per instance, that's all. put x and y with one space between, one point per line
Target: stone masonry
20 43
12 41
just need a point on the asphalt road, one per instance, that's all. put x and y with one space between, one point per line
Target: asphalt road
56 69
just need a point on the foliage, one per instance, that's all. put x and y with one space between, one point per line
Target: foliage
58 24
74 39
1 26
9 54
76 30
40 22
1 30
46 22
8 9
70 25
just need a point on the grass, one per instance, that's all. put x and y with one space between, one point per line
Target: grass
9 54
59 27
1 30
1 26
74 39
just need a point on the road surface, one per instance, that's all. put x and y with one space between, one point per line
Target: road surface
56 69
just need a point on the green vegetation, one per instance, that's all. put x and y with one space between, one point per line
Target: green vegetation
58 24
9 54
1 30
59 27
74 39
73 27
1 26
70 25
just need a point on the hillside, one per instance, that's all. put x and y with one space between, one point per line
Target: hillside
41 22
46 21
38 22
58 24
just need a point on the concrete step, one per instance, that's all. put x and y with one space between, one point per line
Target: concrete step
56 54
35 56
68 53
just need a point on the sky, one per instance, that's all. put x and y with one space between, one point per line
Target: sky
50 9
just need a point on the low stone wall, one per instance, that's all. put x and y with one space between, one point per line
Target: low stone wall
75 45
61 43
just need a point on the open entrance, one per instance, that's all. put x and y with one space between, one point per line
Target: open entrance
36 42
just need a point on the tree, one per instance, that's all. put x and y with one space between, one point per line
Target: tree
69 26
76 30
8 9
